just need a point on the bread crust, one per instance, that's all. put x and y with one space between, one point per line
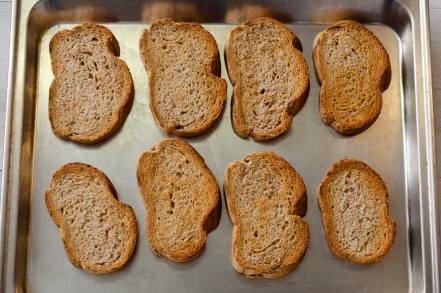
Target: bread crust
181 197
95 208
266 200
92 91
354 205
354 69
270 77
186 93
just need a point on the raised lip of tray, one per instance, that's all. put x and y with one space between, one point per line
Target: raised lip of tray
419 138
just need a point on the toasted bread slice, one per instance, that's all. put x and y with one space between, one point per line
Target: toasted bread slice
181 196
270 77
266 200
98 232
354 205
186 92
92 91
354 69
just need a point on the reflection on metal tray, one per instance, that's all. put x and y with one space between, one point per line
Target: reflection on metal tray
398 146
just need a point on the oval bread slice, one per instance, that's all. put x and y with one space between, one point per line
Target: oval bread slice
186 92
270 77
354 69
181 196
98 232
354 205
266 200
92 90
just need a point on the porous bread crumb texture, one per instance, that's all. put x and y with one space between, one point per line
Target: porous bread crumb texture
98 232
354 69
185 89
92 89
181 196
266 200
353 200
270 77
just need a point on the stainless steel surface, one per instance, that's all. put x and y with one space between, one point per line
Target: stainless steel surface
399 146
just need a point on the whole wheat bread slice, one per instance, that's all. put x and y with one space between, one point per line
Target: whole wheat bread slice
270 77
186 92
98 232
354 205
92 90
354 69
266 200
181 196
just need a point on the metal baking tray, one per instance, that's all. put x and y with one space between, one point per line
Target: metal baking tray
399 146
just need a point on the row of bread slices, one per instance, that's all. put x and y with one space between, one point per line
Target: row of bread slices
92 90
265 199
